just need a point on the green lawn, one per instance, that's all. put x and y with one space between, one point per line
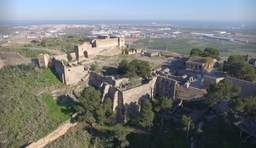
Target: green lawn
55 111
27 52
185 44
26 116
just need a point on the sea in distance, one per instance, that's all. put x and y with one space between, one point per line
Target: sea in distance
122 22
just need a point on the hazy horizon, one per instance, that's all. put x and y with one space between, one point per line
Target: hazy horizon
196 10
130 21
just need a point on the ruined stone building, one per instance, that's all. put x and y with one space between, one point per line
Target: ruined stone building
108 46
199 64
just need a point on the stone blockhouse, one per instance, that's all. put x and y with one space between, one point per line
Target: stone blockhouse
43 60
199 64
151 54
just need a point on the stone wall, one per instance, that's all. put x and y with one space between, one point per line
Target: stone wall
59 69
96 79
52 136
75 74
248 88
128 101
70 75
110 42
165 87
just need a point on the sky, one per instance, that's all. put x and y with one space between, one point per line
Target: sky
201 10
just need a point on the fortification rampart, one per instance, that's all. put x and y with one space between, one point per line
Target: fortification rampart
75 74
165 87
52 136
105 42
59 69
69 75
248 88
96 79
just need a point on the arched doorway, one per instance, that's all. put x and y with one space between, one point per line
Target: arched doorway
85 54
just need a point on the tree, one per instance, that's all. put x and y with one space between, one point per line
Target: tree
94 67
107 106
89 107
162 105
195 52
69 57
244 107
143 69
186 121
236 66
120 134
211 52
122 67
134 68
146 116
222 91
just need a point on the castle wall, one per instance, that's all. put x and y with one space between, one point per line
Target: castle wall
61 130
247 88
96 80
110 42
165 87
60 70
75 74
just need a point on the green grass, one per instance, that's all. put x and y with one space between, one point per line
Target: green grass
80 139
184 45
55 111
24 51
26 116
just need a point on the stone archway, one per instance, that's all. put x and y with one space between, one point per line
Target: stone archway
86 54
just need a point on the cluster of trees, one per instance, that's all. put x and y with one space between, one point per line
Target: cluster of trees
222 91
91 109
134 68
208 52
244 108
237 67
